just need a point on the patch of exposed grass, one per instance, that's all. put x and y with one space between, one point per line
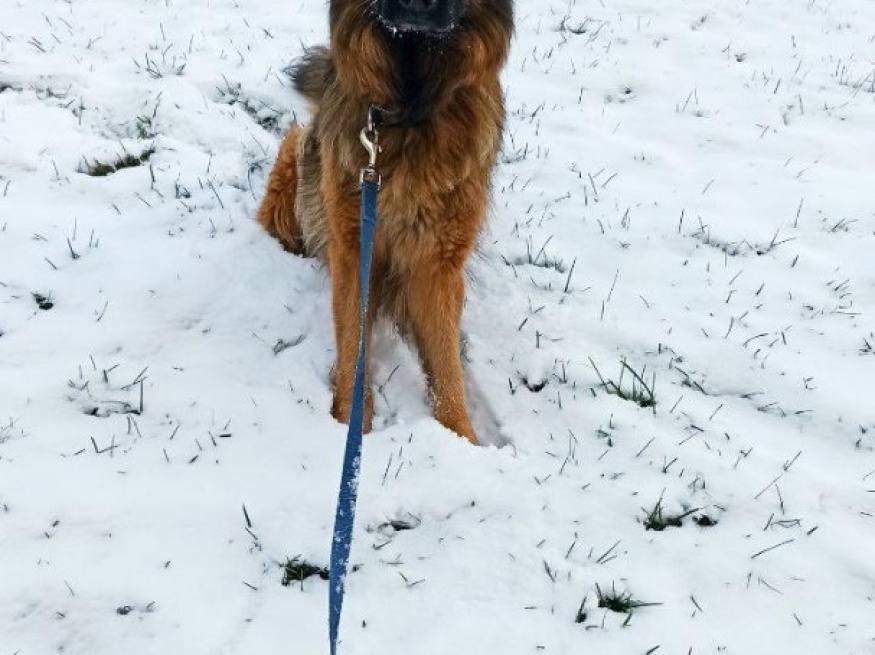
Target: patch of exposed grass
656 519
704 521
99 395
144 127
298 570
621 602
639 391
282 344
582 27
45 303
538 256
232 95
535 386
106 408
97 168
401 524
742 247
169 65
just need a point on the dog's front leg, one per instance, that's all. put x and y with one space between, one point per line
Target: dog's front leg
342 213
436 295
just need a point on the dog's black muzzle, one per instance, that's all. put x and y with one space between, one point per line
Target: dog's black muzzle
427 17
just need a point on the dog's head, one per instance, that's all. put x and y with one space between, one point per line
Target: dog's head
424 17
465 41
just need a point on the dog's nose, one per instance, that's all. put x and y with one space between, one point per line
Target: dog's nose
423 16
418 6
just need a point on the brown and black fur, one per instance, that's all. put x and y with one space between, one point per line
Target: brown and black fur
445 115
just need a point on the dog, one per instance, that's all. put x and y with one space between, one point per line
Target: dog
432 67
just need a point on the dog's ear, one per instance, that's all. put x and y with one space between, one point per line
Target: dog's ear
312 73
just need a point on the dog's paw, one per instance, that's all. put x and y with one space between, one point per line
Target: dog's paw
461 425
341 408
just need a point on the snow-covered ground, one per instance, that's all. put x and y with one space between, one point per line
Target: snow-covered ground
686 195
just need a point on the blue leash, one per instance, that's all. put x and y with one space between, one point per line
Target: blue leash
341 542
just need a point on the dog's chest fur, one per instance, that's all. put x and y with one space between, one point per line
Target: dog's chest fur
437 154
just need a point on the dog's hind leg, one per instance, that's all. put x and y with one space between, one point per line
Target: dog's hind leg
277 211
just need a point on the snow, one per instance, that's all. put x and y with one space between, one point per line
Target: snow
685 187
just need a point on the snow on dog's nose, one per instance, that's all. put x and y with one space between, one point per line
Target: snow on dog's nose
421 16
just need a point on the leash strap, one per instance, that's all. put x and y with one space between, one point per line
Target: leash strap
344 519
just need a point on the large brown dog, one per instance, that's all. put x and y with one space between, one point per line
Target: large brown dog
433 66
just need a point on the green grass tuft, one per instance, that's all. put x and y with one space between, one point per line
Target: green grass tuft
45 303
97 168
657 520
620 602
639 392
298 570
267 117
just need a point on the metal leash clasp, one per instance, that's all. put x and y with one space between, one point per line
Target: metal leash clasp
370 139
